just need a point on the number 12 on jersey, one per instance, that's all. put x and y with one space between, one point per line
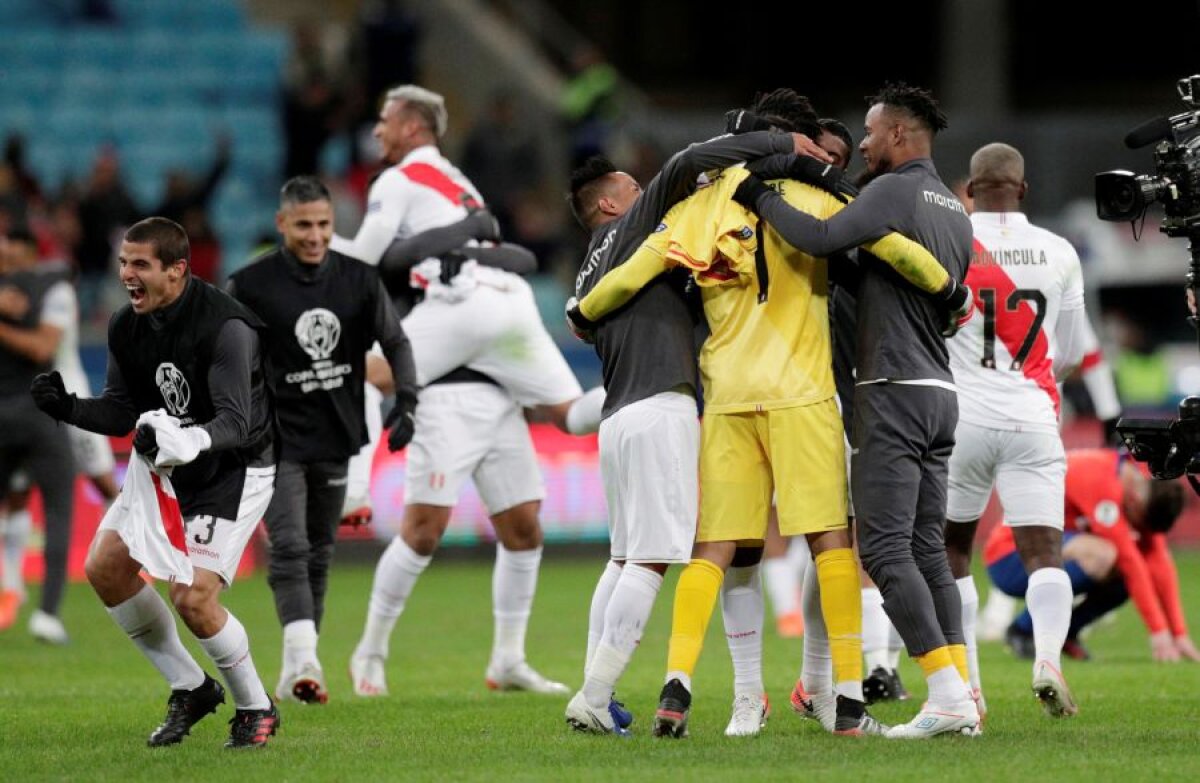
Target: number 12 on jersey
1018 324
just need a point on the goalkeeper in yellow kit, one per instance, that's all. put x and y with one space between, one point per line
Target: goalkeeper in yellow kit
771 423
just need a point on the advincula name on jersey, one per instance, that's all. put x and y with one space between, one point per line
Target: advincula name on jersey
1023 256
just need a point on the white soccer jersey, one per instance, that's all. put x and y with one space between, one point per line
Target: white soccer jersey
1028 289
60 308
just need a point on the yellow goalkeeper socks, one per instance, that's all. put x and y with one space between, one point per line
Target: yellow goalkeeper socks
695 597
841 605
958 654
935 660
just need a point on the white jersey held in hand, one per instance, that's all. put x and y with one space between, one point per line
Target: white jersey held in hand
1029 327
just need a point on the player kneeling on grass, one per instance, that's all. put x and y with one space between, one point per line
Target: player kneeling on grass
183 346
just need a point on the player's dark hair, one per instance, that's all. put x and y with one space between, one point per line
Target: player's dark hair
1163 505
303 190
787 110
169 239
586 183
916 102
839 129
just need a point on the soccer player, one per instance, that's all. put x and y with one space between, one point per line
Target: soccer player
469 421
31 331
186 347
322 311
1028 333
762 431
649 437
904 404
1114 548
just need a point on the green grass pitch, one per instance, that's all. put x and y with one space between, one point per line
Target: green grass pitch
83 712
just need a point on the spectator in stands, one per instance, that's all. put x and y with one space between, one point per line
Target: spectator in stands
1141 370
105 210
589 103
186 202
501 157
311 101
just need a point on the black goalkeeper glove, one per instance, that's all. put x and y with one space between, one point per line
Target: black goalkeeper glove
145 440
400 421
580 325
956 298
748 191
825 176
739 121
452 263
51 396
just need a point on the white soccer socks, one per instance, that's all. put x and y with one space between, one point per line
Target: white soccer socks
876 630
395 576
1049 600
229 649
970 611
514 582
147 621
628 611
600 598
742 610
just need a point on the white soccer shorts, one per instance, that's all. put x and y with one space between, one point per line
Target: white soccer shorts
1028 469
216 544
496 331
650 463
471 430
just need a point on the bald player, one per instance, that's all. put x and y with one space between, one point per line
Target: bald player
1030 332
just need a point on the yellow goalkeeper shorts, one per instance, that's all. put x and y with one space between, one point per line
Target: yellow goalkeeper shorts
797 453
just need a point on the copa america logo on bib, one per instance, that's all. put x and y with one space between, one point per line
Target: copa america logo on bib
318 331
174 388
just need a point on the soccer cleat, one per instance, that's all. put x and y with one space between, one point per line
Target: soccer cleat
368 676
306 685
853 720
47 628
1074 649
252 728
1052 691
621 716
818 706
581 716
790 625
749 715
359 516
961 718
883 685
10 604
521 677
671 717
184 710
1020 643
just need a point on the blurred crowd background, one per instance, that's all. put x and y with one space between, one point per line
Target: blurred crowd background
111 110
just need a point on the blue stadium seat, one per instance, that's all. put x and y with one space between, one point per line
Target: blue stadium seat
217 15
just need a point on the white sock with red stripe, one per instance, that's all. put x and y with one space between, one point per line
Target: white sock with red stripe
395 576
742 611
1049 599
628 610
600 598
147 621
514 581
229 649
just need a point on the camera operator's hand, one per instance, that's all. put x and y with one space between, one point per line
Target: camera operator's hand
1162 647
50 394
1186 649
400 421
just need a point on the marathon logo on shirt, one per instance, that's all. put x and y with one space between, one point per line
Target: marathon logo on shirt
318 332
173 387
941 200
593 261
1021 256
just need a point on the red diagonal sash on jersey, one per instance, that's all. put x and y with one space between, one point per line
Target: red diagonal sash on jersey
436 179
168 509
1013 325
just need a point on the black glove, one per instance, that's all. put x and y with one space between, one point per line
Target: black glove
957 300
400 421
825 176
451 265
744 121
580 325
51 396
145 440
749 190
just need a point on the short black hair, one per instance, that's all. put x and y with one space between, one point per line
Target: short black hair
169 239
303 190
837 128
1163 505
585 184
787 110
917 102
